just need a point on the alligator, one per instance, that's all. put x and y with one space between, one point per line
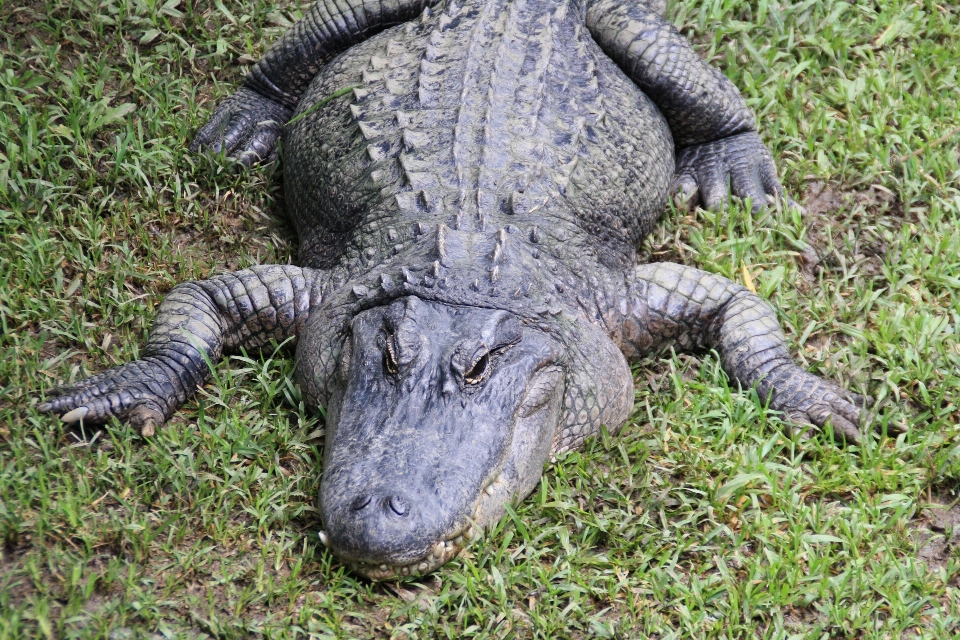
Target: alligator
469 181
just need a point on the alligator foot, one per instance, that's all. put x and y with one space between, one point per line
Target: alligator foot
706 173
138 392
245 127
813 404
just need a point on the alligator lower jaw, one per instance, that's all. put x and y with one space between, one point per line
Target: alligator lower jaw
443 552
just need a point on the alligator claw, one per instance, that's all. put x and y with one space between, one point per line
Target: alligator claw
245 127
741 164
75 415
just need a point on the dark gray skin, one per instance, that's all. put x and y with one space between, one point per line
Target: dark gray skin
470 183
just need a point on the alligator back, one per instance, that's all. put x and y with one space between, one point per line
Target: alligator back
484 114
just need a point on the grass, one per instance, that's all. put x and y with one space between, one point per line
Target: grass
701 520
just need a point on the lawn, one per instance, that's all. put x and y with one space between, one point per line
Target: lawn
702 519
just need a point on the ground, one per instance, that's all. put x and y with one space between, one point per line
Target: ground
701 520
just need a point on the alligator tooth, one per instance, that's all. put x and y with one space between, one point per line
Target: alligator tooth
458 541
489 490
384 567
422 567
323 538
77 414
439 550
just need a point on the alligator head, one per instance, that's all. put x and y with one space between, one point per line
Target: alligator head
448 382
441 414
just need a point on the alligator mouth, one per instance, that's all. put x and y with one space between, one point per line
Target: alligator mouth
443 552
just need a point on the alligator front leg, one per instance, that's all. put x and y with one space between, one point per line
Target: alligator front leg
718 148
197 323
246 125
668 305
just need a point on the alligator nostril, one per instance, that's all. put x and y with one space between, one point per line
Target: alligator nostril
360 502
397 504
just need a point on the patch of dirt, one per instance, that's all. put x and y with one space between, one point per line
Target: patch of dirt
832 213
937 530
16 586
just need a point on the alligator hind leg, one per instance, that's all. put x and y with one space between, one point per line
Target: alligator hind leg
715 133
196 324
673 305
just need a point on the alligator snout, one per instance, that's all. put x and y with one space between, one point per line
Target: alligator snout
437 407
379 526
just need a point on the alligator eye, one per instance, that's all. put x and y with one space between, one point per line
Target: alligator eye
390 358
476 371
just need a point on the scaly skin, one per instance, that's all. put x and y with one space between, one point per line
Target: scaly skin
469 183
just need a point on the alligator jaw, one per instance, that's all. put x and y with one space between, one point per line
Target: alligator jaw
442 553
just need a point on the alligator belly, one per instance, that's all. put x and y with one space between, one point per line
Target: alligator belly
490 114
